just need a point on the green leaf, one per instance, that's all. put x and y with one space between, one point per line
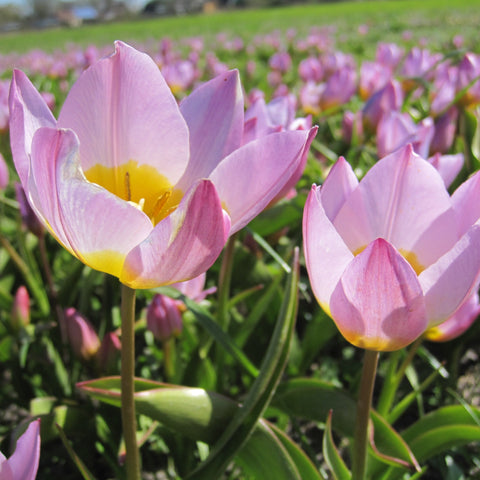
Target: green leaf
313 399
208 322
441 430
392 448
86 474
258 398
332 457
202 416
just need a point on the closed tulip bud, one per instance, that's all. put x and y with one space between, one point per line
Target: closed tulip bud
81 334
21 309
164 318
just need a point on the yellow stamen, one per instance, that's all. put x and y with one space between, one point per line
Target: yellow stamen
142 185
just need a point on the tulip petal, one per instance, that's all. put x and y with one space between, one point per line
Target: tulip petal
378 303
214 115
249 178
452 278
403 200
24 461
339 184
326 255
108 109
183 245
466 203
95 225
28 112
448 166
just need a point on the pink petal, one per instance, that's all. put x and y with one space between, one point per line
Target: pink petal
183 245
378 303
122 109
95 225
214 115
458 323
340 182
326 255
403 200
448 166
452 278
24 461
466 203
249 178
28 112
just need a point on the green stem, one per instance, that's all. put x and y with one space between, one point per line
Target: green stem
364 402
224 282
129 424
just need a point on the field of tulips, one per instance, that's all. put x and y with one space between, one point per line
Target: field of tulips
242 256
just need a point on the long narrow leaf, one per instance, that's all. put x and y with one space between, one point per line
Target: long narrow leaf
243 424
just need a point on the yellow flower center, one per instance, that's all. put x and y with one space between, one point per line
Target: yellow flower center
142 185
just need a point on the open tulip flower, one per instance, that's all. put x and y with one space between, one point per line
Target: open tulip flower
23 463
133 184
392 255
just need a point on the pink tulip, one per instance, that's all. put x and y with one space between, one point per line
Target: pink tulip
81 335
396 129
133 184
458 323
164 317
469 76
20 309
23 464
394 254
388 98
373 77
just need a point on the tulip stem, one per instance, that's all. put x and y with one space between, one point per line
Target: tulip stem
364 402
129 424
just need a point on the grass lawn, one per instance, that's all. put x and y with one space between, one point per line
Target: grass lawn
436 20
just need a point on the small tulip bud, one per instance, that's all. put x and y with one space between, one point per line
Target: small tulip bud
21 309
81 334
164 318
